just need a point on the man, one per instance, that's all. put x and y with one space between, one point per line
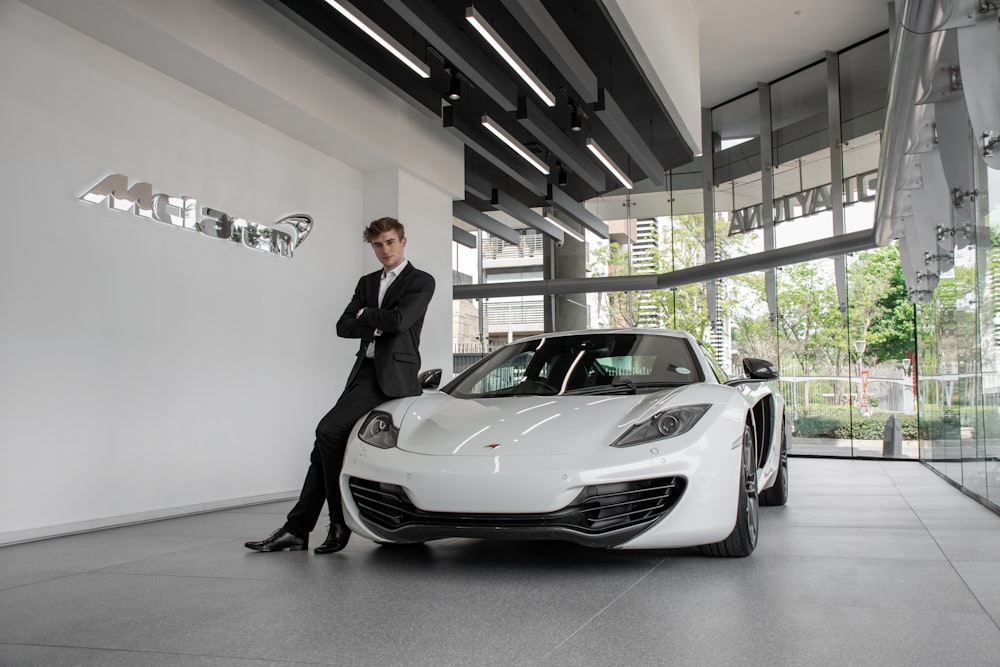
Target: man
387 314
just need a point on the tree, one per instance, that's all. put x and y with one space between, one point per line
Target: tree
879 309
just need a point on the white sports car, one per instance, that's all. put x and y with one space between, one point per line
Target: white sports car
626 438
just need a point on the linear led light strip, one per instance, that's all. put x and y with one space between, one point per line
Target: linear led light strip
514 144
551 218
385 40
496 41
607 162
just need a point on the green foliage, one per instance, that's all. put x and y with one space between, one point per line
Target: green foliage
844 427
890 335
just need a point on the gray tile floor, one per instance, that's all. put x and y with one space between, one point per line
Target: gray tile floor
870 563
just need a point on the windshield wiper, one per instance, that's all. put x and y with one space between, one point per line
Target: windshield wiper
619 387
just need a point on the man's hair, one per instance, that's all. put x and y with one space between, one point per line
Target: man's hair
378 227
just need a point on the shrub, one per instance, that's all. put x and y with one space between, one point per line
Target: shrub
860 428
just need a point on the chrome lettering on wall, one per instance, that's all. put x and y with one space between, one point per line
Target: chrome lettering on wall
281 238
808 202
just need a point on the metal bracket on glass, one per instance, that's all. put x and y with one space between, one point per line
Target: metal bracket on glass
989 141
947 256
958 195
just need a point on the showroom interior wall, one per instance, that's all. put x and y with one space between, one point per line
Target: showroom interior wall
149 370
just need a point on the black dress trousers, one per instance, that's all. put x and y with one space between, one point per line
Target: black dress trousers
322 483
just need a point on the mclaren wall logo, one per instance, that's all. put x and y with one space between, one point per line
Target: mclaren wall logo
281 238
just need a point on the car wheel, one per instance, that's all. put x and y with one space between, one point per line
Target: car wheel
743 539
777 494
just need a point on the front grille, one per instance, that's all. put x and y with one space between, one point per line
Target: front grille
602 514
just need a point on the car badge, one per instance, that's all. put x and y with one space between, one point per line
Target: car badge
492 446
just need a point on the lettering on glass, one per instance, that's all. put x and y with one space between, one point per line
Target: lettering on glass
281 238
861 187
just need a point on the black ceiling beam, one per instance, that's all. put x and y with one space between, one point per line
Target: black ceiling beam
339 35
459 235
577 211
504 202
477 186
480 220
625 133
473 135
547 34
537 121
459 50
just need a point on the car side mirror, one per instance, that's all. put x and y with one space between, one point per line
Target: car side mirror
759 369
430 379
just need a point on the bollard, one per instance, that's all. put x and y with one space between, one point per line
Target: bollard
892 438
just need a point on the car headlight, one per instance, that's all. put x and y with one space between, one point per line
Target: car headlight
378 430
667 424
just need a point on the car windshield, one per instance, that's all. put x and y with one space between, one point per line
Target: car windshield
591 363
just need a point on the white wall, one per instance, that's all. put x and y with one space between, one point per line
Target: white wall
146 370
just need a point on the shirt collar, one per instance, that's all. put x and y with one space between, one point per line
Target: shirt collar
396 271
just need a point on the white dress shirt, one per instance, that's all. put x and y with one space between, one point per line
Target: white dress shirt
384 281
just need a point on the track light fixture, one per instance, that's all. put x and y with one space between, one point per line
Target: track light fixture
384 39
515 145
455 87
608 163
550 215
494 39
575 118
563 177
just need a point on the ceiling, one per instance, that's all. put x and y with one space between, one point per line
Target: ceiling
752 41
580 56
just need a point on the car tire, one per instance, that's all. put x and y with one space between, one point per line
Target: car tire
742 541
777 493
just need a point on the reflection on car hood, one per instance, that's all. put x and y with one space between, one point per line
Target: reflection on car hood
438 424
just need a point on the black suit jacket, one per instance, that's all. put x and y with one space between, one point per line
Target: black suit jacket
401 317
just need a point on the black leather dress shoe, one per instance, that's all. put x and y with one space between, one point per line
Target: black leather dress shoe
279 540
336 539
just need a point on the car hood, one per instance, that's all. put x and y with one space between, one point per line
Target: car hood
438 424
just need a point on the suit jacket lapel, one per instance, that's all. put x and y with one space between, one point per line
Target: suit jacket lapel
397 284
372 288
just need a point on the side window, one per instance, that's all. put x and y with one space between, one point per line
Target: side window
716 369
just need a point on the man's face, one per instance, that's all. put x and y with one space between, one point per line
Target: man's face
388 248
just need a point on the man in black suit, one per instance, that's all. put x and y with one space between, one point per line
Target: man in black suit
387 314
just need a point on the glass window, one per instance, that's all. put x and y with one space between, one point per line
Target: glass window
864 83
736 138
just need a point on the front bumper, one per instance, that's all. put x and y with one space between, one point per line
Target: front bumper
660 495
602 515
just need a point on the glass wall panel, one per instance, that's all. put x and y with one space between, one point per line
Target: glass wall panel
802 203
811 344
746 318
988 242
736 138
738 215
864 77
467 323
880 335
860 160
799 123
968 352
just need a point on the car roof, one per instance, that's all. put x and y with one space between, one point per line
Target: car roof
632 330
